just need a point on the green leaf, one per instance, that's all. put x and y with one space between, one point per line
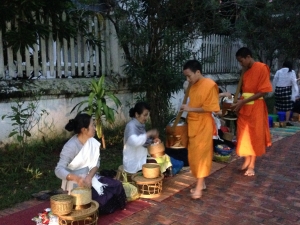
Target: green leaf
112 116
114 98
20 138
91 98
101 81
14 108
79 105
105 110
100 105
12 133
27 133
94 86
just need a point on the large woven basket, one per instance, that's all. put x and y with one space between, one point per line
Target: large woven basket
61 204
156 149
151 170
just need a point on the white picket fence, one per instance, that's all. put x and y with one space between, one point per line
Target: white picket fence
217 53
53 59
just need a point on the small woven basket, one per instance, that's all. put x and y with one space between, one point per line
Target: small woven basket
82 197
156 150
151 170
61 204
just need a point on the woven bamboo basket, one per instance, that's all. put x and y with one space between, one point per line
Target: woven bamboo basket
157 149
61 204
148 188
87 216
82 198
151 170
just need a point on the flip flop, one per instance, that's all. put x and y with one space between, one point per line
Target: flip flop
250 172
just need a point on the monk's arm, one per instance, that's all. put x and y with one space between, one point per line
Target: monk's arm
254 97
237 106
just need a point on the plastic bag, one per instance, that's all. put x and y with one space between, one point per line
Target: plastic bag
131 191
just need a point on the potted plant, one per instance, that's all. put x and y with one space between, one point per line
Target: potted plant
96 105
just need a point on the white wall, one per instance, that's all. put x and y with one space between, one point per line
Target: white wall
59 115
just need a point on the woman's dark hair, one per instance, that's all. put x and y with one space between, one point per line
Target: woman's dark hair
80 121
243 52
289 65
193 65
138 108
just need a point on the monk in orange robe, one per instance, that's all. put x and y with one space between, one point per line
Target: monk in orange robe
253 133
203 100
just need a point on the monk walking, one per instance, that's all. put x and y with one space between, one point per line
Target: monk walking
253 134
203 100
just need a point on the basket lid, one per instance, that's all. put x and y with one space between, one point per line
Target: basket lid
150 165
139 178
61 198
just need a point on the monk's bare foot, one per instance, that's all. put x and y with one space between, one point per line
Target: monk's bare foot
195 195
243 167
203 188
250 172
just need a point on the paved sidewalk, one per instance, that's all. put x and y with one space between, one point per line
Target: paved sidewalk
270 197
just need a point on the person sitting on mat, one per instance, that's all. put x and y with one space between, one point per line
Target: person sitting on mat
136 140
79 162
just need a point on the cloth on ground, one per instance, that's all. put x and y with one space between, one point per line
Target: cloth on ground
179 154
164 162
176 165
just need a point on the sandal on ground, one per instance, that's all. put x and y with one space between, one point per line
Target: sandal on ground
250 172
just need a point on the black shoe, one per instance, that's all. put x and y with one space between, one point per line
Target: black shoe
289 124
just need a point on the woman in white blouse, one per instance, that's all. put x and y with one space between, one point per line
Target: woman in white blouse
137 139
286 89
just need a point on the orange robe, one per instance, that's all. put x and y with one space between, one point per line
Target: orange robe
253 133
201 126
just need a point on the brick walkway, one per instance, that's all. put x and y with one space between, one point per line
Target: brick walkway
271 197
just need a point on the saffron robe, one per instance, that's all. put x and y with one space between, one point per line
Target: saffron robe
201 126
253 133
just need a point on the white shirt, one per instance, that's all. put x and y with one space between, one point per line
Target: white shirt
134 153
284 78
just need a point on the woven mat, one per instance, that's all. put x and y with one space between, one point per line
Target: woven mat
180 181
279 133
